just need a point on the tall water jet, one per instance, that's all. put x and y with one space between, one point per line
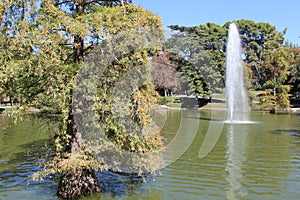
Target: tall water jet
236 95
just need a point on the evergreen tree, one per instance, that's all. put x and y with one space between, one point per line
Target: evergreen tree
255 37
201 48
210 39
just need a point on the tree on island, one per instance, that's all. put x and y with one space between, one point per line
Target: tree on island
45 43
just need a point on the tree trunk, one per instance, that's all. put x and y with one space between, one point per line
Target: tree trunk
81 181
274 81
75 135
78 49
11 101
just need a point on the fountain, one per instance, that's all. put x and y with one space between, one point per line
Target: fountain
236 95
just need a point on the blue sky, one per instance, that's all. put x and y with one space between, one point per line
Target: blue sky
281 14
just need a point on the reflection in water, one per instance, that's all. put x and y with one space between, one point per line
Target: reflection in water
236 142
213 133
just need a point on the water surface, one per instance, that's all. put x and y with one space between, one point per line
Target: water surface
249 161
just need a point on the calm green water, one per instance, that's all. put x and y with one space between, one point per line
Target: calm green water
249 161
22 145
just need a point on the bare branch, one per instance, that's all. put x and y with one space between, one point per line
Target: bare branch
63 2
66 44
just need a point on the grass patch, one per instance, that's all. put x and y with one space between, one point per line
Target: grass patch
172 102
214 105
219 96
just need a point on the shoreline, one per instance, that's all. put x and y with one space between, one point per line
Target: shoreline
279 111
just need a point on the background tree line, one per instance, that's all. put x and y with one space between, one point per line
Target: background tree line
272 64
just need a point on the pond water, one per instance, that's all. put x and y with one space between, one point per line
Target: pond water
258 160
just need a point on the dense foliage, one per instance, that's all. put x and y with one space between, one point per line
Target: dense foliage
271 63
44 46
200 62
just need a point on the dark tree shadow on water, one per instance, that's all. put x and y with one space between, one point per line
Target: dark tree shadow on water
206 119
118 185
210 119
292 132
